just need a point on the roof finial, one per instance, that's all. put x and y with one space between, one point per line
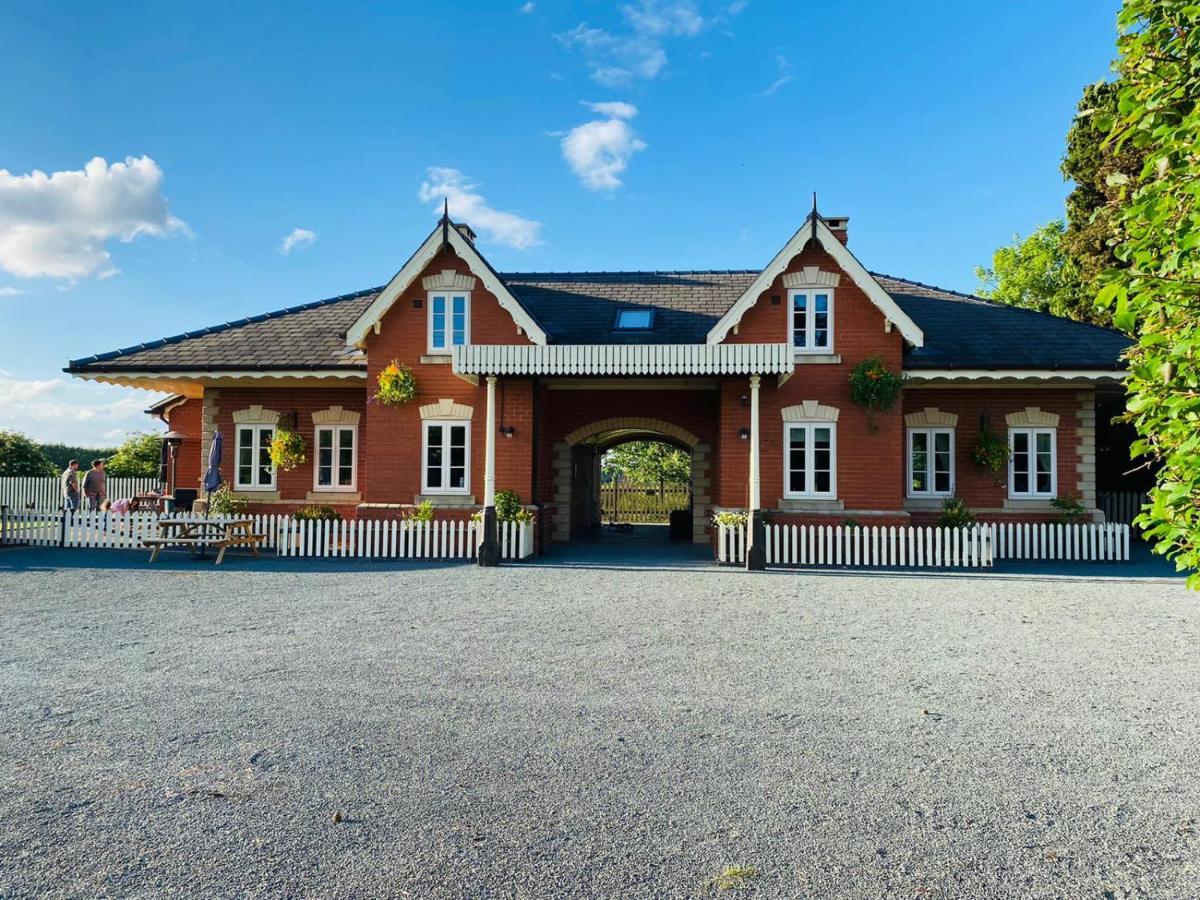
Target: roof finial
445 221
814 212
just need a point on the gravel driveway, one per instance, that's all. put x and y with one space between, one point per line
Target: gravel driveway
349 729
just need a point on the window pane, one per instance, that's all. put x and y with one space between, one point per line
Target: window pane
920 462
346 457
634 319
459 323
943 462
822 460
821 320
265 472
325 438
245 455
1043 460
800 320
437 312
324 457
797 481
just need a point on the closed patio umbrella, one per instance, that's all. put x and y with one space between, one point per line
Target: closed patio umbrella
212 476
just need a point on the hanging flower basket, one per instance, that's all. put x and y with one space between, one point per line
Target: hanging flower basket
397 385
991 451
287 450
874 388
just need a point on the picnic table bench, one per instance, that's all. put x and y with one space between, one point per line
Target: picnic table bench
197 532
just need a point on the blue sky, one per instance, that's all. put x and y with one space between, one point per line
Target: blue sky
648 134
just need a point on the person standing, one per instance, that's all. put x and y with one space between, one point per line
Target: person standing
95 486
70 486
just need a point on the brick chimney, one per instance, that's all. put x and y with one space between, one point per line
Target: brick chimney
465 230
839 225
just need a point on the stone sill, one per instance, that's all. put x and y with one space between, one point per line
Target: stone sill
449 500
435 359
816 359
333 497
813 505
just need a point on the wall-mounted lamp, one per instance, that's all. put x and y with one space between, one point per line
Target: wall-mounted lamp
417 303
745 400
775 300
744 434
507 430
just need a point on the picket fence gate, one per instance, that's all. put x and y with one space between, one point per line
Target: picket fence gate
1121 507
44 493
388 539
911 546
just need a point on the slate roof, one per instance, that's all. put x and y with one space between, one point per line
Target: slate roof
580 308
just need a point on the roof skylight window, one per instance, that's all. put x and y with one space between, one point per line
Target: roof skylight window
634 320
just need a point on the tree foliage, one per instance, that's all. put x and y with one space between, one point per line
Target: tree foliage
21 456
61 454
647 462
1037 273
136 458
1155 295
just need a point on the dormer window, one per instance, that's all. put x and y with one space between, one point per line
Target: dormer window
811 320
634 320
449 320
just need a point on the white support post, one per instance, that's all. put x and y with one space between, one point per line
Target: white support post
756 538
489 465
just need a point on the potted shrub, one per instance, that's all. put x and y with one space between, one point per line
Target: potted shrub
955 514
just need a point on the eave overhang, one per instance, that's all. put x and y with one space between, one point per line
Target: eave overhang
1024 377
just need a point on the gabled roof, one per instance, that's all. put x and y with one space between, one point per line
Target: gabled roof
965 332
814 228
445 233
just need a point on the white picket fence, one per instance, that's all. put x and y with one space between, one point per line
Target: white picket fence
45 493
908 546
843 545
389 539
397 539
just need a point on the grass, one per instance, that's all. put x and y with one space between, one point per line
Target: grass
733 878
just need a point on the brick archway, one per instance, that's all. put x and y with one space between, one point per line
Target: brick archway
639 428
634 424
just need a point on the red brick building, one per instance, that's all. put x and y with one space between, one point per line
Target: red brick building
749 371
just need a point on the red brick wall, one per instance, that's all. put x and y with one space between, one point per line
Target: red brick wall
980 488
393 434
870 462
185 419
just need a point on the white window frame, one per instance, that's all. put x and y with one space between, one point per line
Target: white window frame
1033 493
446 424
256 448
930 432
810 319
809 457
336 445
449 296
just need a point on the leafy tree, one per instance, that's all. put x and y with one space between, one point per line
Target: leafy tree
1094 204
647 462
1037 273
136 458
1156 294
21 456
61 454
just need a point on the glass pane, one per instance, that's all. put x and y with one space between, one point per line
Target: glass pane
797 481
458 435
822 460
800 320
634 319
821 320
325 438
324 457
459 321
1043 460
437 312
265 473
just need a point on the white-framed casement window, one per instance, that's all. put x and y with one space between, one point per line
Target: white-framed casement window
1032 463
930 462
809 459
810 319
449 320
253 453
336 467
446 457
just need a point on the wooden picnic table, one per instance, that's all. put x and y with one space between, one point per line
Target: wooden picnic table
200 532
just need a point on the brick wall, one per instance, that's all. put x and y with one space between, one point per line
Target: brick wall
185 419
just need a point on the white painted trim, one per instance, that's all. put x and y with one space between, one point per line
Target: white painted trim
1032 417
923 375
810 411
448 323
426 489
811 277
335 447
258 426
447 409
1033 493
624 359
448 280
814 226
356 334
931 431
810 328
336 415
810 451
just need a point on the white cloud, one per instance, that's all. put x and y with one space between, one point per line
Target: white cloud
785 75
620 59
467 205
58 225
527 8
600 150
73 411
8 291
297 239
